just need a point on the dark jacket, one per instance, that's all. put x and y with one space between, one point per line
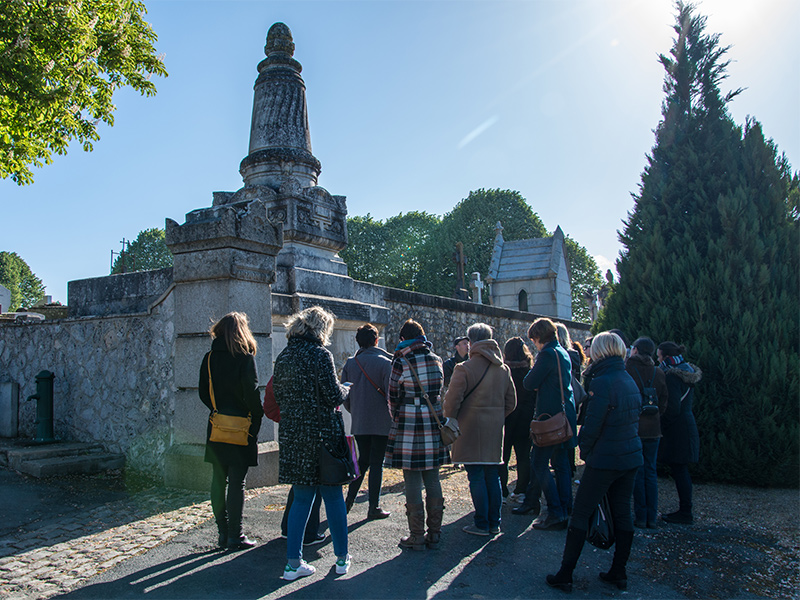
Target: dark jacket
609 438
235 393
544 378
369 407
518 422
308 394
643 370
450 364
680 443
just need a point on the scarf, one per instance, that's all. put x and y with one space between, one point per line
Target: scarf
671 361
407 343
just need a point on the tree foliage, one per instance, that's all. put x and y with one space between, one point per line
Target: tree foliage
148 251
415 251
472 222
712 260
15 274
584 276
389 253
60 63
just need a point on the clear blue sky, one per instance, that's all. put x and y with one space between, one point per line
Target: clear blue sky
412 104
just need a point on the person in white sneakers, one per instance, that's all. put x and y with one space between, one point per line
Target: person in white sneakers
308 394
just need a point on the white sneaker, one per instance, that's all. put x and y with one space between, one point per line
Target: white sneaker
290 573
343 565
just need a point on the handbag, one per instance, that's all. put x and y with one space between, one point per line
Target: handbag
338 465
270 405
601 527
226 429
448 431
338 461
550 430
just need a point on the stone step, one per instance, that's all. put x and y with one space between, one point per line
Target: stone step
62 465
19 455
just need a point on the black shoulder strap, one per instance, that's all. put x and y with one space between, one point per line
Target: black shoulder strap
479 382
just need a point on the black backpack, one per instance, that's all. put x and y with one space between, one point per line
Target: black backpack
649 396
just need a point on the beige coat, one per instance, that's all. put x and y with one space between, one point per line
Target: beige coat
482 415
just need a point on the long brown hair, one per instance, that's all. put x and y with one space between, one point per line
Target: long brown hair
516 350
234 329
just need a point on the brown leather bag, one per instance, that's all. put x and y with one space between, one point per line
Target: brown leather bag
551 430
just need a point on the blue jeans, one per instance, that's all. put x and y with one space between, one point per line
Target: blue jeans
487 495
645 490
301 509
557 493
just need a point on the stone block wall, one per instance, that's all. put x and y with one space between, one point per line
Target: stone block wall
445 318
114 381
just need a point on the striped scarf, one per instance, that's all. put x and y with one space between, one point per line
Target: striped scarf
671 361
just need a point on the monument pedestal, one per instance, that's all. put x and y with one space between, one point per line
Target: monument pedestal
224 261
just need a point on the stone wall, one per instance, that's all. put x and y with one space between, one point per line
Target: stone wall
445 318
113 384
115 375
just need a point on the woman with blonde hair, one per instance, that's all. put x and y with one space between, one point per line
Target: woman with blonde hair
232 367
308 393
609 444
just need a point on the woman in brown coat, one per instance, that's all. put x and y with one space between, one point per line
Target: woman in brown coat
480 397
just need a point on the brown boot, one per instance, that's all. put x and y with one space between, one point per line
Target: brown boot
435 508
416 525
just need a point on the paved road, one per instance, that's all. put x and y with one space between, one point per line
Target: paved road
159 544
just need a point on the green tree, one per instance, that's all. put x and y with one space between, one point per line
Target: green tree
60 63
415 250
472 222
15 274
711 259
148 251
584 275
389 252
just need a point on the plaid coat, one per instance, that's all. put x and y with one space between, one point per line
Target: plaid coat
414 440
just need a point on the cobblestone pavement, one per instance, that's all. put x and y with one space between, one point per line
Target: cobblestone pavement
43 560
76 544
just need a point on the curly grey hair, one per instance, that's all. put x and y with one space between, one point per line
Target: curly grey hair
313 322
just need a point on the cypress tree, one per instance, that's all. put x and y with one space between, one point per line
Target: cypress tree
711 260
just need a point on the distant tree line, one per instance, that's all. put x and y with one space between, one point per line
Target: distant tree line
414 251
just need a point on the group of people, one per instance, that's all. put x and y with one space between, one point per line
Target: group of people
400 402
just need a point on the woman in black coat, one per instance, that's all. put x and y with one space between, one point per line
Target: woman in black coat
680 444
518 358
235 382
609 444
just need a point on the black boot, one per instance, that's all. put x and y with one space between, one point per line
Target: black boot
222 529
616 575
572 550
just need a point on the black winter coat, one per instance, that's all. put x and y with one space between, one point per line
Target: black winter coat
235 393
609 438
643 371
308 393
518 422
680 443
